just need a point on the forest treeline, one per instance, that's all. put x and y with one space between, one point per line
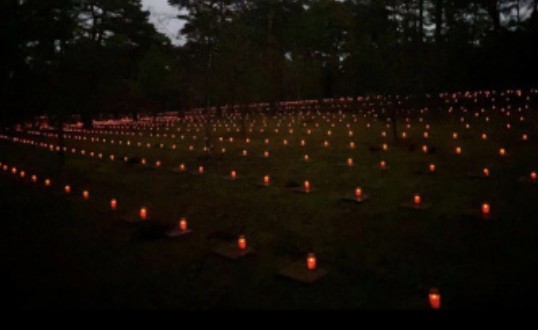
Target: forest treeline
87 57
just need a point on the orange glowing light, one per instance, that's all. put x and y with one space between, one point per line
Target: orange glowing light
67 189
350 162
306 158
524 137
34 178
311 261
425 149
502 152
47 182
485 171
266 180
486 209
201 170
266 154
143 213
242 243
432 168
455 136
307 186
484 136
435 299
183 224
385 147
233 175
458 150
182 167
113 204
417 200
358 193
383 164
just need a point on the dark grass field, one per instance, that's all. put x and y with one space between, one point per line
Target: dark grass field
64 252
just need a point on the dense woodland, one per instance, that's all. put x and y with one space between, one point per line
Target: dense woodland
89 57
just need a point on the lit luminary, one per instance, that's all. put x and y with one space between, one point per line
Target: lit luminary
358 193
486 209
484 136
47 182
458 150
425 149
417 200
455 136
307 186
426 135
201 170
266 180
383 164
158 163
67 189
435 299
524 137
266 154
350 162
183 225
502 152
86 194
182 167
113 204
326 144
143 214
303 143
311 261
485 171
242 243
352 145
233 175
245 153
432 168
306 158
22 174
34 178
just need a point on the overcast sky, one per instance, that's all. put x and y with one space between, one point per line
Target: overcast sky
164 17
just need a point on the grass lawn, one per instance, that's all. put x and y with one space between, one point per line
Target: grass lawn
61 251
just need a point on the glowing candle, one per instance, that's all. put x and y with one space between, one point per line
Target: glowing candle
113 204
47 182
311 261
158 163
34 178
303 143
266 180
22 174
486 209
233 175
358 193
182 167
86 194
383 164
307 186
143 213
242 242
432 168
306 158
352 145
484 136
183 225
458 150
67 189
425 149
417 200
426 135
502 152
485 171
455 136
435 299
350 162
524 137
14 170
534 176
326 144
385 147
245 152
266 154
201 170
